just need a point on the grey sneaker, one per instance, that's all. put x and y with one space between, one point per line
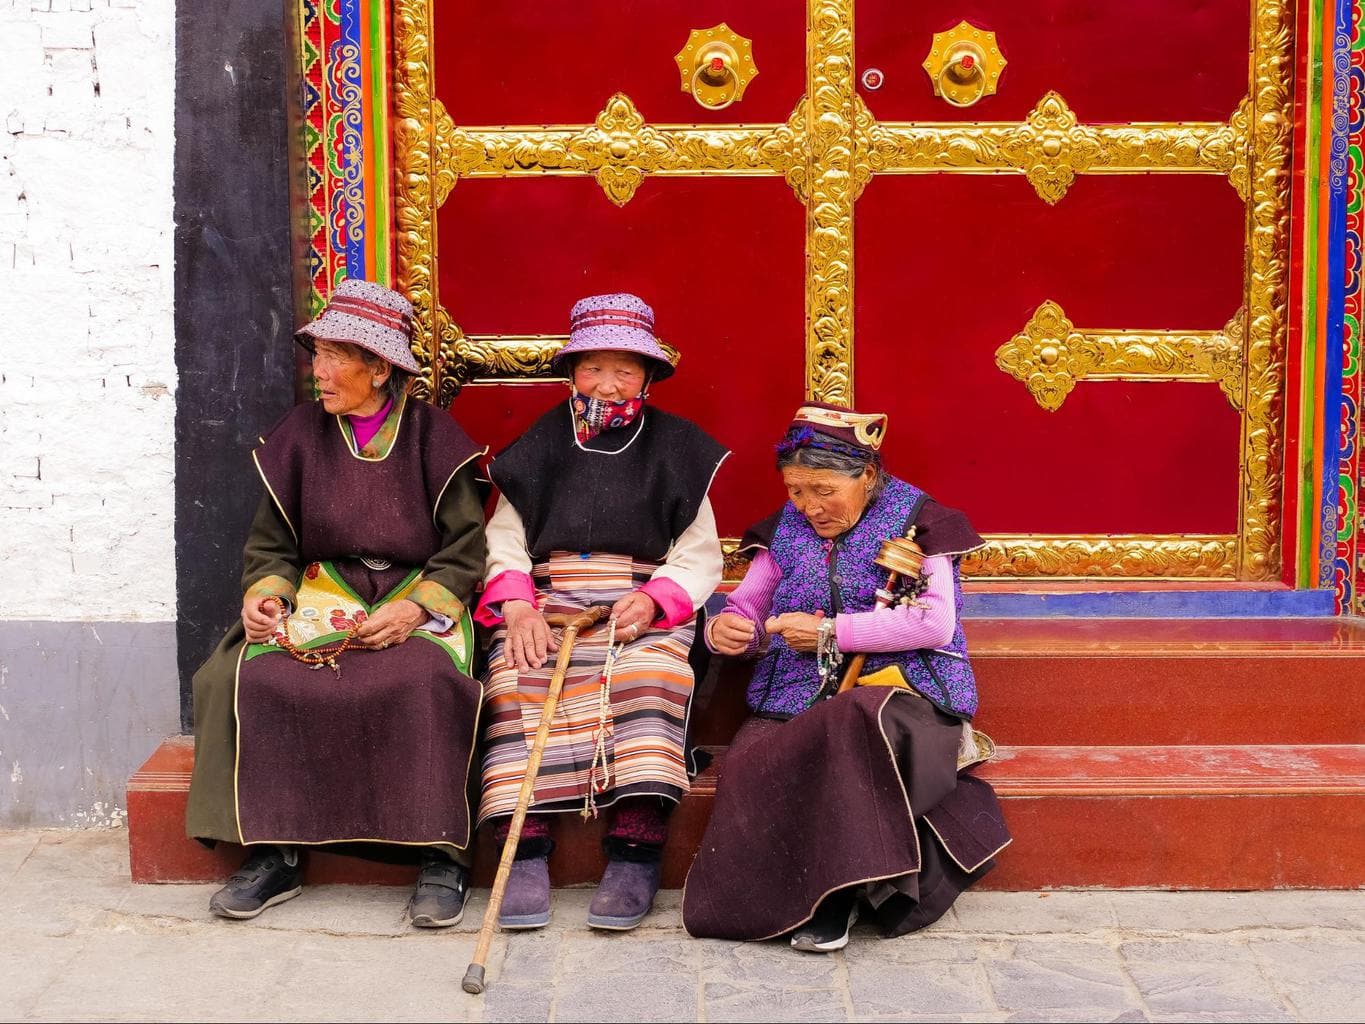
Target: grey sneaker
267 877
624 895
438 899
828 929
526 900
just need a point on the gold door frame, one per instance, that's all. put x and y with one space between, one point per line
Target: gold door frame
827 151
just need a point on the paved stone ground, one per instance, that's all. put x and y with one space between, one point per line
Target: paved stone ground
80 942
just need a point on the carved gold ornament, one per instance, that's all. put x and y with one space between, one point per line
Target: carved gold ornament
716 65
828 151
964 64
1050 355
504 358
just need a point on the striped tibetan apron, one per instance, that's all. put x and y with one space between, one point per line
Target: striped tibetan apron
637 731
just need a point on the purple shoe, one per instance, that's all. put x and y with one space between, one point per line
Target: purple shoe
624 895
526 900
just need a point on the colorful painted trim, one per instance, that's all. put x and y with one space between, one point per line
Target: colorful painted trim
1350 553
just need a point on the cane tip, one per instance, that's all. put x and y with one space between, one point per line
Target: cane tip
473 980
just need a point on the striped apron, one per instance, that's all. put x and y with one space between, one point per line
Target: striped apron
637 731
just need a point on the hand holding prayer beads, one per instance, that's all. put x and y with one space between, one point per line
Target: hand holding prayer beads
800 630
731 634
633 614
260 617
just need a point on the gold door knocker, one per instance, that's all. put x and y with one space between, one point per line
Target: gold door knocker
716 65
964 64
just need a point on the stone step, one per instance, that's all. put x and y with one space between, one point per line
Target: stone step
1159 816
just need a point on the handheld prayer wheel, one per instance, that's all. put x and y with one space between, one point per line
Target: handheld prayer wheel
903 561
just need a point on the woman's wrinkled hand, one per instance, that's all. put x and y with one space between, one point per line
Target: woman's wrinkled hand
731 634
633 614
529 638
799 629
390 624
261 617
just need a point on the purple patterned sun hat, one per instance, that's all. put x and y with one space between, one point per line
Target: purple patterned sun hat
619 322
367 315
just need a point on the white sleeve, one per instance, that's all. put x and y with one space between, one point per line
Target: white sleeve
506 536
695 561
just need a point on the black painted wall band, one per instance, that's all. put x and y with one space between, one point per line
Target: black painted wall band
235 293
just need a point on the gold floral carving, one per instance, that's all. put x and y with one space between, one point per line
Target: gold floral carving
1022 556
1176 556
487 358
829 210
414 197
1049 148
620 149
1050 355
1268 288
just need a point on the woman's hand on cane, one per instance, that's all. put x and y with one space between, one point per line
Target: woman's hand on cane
529 637
260 617
633 614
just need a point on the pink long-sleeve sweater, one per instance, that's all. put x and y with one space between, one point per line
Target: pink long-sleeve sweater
885 629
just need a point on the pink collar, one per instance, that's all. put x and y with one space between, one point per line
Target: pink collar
365 427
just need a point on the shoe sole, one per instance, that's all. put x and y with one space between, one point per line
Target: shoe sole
427 921
524 922
807 943
615 924
247 915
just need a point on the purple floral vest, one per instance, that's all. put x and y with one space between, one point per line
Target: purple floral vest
786 682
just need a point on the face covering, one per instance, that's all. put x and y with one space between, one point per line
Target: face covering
591 416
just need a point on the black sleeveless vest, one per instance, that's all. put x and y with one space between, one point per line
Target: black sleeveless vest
633 492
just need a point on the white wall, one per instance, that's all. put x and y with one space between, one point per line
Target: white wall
87 367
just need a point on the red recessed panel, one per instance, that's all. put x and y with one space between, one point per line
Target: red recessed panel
720 260
1112 60
543 62
950 267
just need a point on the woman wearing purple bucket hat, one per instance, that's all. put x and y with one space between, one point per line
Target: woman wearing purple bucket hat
363 554
604 501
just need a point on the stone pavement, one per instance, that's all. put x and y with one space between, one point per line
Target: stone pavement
81 942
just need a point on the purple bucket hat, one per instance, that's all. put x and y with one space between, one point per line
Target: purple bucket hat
620 322
370 316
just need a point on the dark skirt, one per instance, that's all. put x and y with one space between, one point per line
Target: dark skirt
381 754
859 790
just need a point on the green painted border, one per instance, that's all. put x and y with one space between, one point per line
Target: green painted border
1306 571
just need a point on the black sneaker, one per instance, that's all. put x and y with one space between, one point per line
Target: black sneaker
268 876
438 899
828 929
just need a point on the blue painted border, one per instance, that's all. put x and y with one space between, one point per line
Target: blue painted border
1339 63
1139 604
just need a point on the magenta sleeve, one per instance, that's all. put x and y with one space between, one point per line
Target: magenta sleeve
675 605
901 628
510 585
753 598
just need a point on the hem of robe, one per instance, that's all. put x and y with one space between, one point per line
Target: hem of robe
911 872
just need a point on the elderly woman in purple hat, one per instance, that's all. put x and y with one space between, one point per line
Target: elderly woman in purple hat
829 804
603 501
339 711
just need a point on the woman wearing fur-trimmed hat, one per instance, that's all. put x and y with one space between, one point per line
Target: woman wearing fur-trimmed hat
339 711
831 802
603 501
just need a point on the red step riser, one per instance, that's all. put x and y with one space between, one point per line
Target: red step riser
1214 842
1139 701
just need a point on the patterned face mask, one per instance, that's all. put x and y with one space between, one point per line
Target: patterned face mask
591 416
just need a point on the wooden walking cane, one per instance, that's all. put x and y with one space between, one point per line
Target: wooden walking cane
473 977
899 556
